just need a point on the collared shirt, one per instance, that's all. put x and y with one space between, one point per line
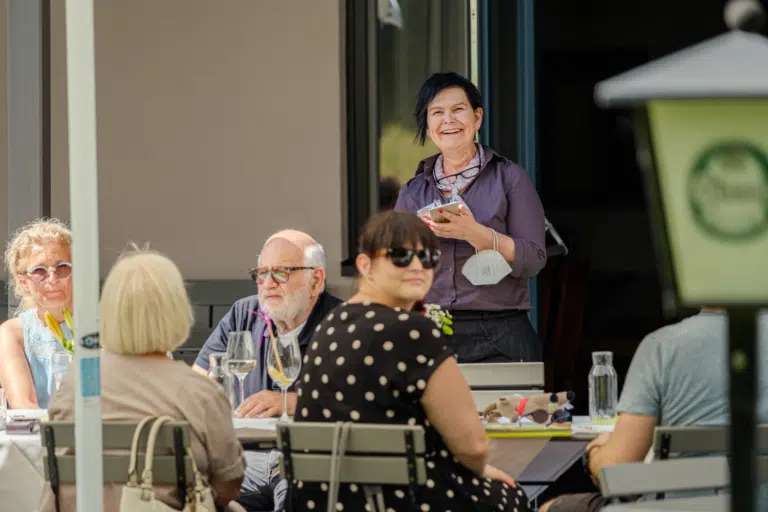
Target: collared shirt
501 197
245 315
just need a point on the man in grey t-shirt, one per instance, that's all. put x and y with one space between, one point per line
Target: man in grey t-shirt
678 376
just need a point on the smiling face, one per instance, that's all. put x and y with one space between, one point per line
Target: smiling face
52 293
451 121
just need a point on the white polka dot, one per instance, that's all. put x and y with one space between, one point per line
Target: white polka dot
315 394
351 379
368 508
340 361
501 506
420 358
369 396
330 317
333 346
299 392
444 454
424 507
300 484
411 421
351 328
414 334
366 303
368 360
431 465
411 388
475 481
388 345
324 378
430 362
474 498
400 494
314 345
449 493
354 415
378 327
435 333
486 492
390 510
370 314
330 331
383 380
390 413
459 480
318 360
343 315
401 366
339 396
487 482
317 329
402 317
311 505
306 358
426 422
306 377
324 487
395 393
355 344
353 487
304 412
421 384
519 493
326 413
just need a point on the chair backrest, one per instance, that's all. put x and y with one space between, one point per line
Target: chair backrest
698 440
375 454
491 381
671 475
170 451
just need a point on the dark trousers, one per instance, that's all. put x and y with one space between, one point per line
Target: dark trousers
494 337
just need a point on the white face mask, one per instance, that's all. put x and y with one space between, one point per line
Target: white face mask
487 267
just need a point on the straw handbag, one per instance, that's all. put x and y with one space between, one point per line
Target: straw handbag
141 498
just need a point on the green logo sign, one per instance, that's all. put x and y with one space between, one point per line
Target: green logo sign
728 191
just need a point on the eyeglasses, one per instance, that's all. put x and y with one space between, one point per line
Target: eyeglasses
466 174
544 417
402 257
40 273
279 274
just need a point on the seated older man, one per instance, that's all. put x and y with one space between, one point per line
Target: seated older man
291 289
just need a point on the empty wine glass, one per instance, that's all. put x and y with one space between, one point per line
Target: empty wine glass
59 365
241 357
219 371
284 366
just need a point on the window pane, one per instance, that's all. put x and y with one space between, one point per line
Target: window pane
433 36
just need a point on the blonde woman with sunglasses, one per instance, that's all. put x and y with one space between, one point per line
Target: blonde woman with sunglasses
38 262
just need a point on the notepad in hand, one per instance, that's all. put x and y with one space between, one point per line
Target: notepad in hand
19 426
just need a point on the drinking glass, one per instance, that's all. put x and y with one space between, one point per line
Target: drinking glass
3 409
241 357
284 366
59 365
219 371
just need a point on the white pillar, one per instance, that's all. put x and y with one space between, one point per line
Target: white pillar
84 206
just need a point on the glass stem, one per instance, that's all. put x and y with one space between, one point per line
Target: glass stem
240 381
285 403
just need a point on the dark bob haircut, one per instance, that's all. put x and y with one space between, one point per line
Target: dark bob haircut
395 230
433 86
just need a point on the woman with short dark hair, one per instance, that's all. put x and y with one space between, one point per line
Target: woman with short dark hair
492 235
374 360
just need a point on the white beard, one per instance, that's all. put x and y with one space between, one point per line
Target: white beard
292 306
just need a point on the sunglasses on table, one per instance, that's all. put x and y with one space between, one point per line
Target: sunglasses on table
544 417
40 273
279 274
402 257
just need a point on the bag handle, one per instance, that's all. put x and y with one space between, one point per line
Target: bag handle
132 481
146 475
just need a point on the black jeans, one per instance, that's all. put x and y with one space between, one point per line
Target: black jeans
494 337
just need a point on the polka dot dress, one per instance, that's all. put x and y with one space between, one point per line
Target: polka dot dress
369 363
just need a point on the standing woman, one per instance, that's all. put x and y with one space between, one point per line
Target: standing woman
494 243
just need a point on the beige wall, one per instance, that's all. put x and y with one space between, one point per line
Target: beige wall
218 124
3 138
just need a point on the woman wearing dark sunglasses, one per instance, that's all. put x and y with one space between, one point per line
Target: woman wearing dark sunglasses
38 261
373 360
493 243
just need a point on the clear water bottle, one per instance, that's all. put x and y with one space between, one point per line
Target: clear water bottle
603 388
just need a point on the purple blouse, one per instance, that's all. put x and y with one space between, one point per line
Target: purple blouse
502 197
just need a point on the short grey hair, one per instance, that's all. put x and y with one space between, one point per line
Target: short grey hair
314 256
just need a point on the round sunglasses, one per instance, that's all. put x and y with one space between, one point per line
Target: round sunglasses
402 257
40 273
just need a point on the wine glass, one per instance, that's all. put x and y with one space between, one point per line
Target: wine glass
219 372
241 357
284 366
59 365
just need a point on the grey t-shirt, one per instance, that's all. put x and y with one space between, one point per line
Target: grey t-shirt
680 373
